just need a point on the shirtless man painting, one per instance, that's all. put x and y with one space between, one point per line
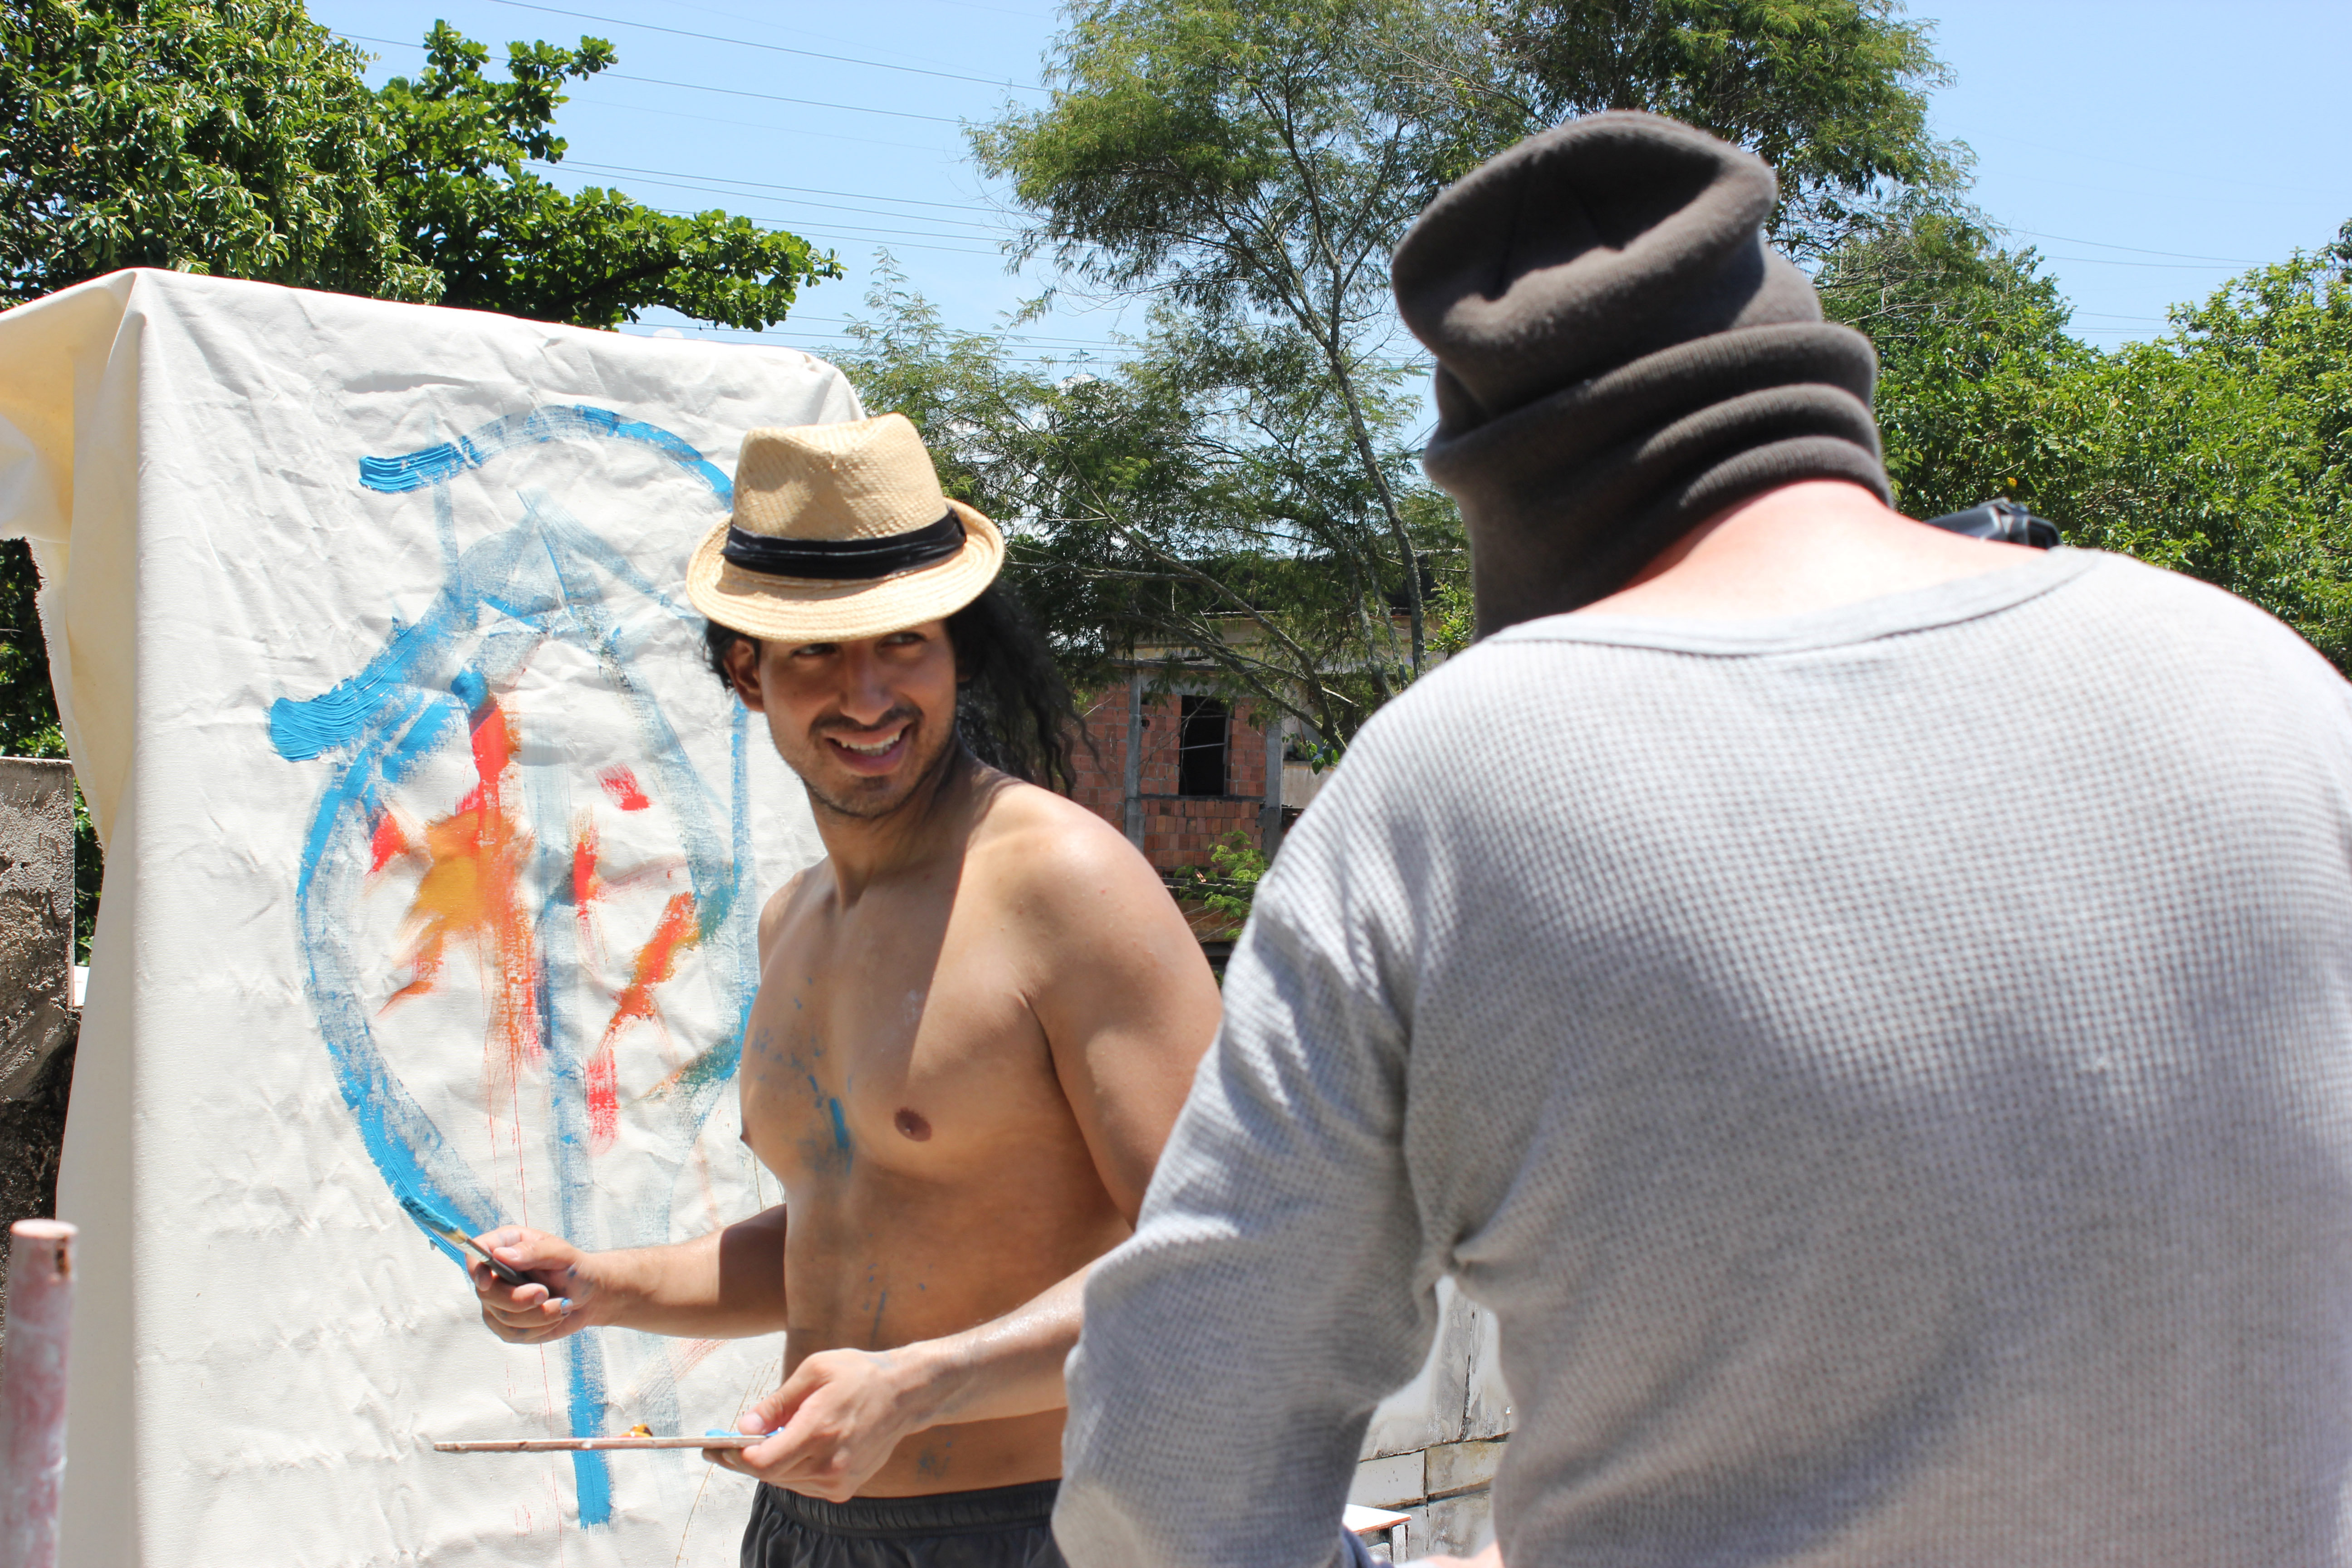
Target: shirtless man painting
976 1021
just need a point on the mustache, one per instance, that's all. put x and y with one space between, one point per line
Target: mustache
825 726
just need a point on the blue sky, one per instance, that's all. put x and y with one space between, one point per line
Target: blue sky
2149 150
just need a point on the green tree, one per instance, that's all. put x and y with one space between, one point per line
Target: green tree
234 137
2221 450
1832 93
29 718
1246 171
2225 448
1970 337
240 138
499 238
1249 168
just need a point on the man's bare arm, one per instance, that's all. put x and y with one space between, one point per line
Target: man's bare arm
729 1284
1122 990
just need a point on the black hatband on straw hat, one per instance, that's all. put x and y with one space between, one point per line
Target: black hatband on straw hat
844 560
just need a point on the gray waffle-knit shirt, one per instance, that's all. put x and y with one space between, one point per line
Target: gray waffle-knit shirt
1888 1071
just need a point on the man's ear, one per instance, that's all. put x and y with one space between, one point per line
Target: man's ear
742 658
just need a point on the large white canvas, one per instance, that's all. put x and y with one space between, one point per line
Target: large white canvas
434 857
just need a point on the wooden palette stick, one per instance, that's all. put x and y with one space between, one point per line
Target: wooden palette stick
574 1444
33 1390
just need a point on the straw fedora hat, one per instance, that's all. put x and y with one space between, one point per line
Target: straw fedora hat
840 532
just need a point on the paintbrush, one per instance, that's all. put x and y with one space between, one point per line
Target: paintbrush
450 1233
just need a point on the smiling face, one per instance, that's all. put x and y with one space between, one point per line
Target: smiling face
862 722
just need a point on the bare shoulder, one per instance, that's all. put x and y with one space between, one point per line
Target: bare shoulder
777 914
1056 866
1041 845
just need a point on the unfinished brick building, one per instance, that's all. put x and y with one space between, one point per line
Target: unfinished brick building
1179 772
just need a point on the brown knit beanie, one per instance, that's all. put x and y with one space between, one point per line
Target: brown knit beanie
1620 356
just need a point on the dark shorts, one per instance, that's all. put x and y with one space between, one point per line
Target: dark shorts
1004 1527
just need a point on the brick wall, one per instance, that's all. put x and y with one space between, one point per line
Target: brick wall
1178 832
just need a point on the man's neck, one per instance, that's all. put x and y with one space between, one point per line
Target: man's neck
931 822
1813 545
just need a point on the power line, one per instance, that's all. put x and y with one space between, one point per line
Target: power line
967 4
695 86
1013 337
2159 266
815 239
606 103
863 230
722 188
754 44
802 190
2135 251
770 24
776 98
772 338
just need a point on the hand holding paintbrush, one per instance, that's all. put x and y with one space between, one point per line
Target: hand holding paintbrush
533 1287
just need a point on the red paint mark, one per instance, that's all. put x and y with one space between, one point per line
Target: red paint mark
622 786
386 842
656 960
585 885
603 1100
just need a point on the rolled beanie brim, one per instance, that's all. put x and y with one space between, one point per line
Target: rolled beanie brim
1568 498
1619 355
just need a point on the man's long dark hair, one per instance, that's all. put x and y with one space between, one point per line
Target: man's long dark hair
1013 710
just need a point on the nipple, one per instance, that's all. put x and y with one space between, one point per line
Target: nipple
912 1124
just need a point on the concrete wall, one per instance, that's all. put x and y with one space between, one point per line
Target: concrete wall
37 1024
36 908
1433 1444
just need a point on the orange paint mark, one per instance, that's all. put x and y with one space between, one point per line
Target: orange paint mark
471 892
656 960
622 786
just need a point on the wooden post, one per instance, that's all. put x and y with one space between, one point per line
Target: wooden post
33 1390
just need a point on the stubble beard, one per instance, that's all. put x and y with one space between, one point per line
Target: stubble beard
910 781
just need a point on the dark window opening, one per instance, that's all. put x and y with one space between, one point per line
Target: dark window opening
1201 746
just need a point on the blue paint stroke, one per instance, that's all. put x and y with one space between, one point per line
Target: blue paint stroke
437 465
546 578
583 1387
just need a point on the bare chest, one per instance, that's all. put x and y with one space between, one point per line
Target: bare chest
893 1041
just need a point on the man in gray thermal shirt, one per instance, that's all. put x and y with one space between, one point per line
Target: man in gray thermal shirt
1869 1012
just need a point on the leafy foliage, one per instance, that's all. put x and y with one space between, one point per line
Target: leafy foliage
1832 93
1227 885
2221 450
229 136
1245 170
1248 168
499 238
240 138
29 718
